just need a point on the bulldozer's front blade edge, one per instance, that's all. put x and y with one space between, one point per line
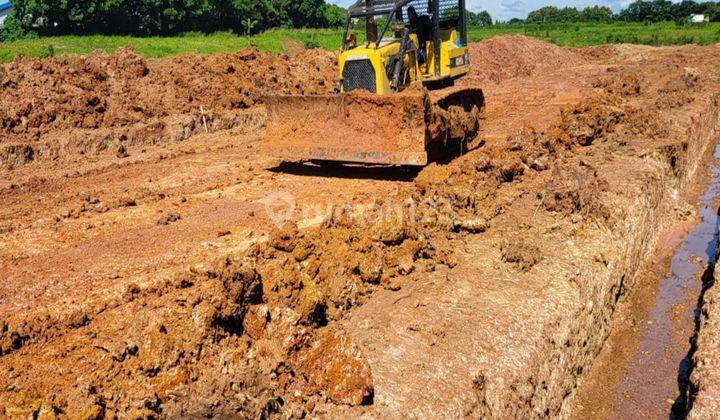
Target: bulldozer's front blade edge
362 128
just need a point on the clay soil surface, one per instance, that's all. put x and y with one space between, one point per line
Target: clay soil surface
154 262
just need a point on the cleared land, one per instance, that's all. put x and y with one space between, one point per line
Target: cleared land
570 35
145 274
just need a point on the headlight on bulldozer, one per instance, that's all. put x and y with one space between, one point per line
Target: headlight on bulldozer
460 61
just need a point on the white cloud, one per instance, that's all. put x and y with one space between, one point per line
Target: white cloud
513 6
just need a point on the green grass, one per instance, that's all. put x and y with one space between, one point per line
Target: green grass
575 35
164 46
587 34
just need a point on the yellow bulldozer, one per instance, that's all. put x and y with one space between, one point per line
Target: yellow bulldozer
395 102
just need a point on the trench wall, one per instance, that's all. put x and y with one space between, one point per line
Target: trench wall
542 384
705 378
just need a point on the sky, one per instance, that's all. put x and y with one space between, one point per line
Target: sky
508 9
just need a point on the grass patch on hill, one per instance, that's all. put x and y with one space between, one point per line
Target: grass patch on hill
165 46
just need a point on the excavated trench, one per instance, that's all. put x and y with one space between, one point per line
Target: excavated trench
644 370
656 380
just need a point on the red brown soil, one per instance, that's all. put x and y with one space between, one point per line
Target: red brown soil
503 57
216 311
141 101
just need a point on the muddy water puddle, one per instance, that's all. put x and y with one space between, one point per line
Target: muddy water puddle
653 384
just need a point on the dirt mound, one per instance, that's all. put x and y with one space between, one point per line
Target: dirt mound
598 52
42 96
506 56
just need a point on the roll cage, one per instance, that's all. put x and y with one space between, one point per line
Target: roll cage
443 14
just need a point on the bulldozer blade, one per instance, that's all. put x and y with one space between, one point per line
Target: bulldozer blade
347 127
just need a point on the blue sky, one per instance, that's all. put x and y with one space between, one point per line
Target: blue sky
508 9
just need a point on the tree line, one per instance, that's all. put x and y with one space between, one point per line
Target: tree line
664 10
638 11
172 17
482 18
570 14
165 17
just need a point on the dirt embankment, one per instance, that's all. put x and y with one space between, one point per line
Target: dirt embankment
520 334
121 99
491 279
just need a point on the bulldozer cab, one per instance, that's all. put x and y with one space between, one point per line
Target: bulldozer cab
404 41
